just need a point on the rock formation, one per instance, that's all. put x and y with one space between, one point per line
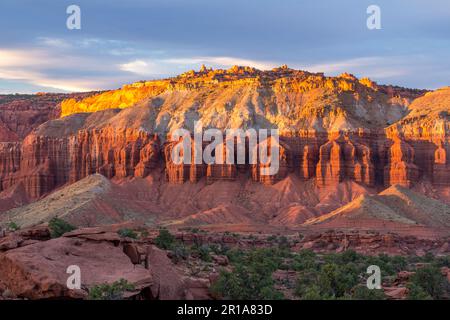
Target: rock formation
340 159
400 168
21 113
330 127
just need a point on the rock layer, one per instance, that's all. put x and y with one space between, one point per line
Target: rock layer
330 127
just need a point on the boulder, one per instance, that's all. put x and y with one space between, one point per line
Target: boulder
38 271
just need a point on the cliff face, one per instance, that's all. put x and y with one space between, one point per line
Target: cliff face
332 130
42 163
21 113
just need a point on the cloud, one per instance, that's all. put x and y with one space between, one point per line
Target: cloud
54 42
373 67
140 67
35 66
170 66
223 62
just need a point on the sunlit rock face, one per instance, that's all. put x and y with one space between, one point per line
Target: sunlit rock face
332 129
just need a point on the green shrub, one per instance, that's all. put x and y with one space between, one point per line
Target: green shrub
305 260
245 283
416 292
431 281
179 252
235 255
204 253
283 243
112 291
165 240
331 281
127 233
58 227
219 249
312 293
13 226
251 277
361 292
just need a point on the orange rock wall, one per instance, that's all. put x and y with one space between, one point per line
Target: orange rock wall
42 164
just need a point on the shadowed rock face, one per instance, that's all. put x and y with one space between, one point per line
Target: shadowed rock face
21 113
331 131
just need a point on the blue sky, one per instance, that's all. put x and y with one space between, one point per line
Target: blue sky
125 41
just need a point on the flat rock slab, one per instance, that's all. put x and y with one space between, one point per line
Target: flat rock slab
38 271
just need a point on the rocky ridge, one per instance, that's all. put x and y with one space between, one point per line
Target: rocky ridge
332 131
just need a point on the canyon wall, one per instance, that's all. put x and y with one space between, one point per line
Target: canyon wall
332 129
43 163
21 113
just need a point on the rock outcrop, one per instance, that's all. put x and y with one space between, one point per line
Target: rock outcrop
331 130
400 168
43 162
341 159
21 113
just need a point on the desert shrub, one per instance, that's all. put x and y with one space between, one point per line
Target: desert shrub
58 227
283 243
306 287
361 292
305 260
429 280
389 265
311 292
179 252
219 249
127 233
112 291
443 261
144 234
337 280
330 281
165 240
251 277
235 255
204 252
245 283
416 292
13 226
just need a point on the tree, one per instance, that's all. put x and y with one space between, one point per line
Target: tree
58 227
127 233
165 240
430 280
114 291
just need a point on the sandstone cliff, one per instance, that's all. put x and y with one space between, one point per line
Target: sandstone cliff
21 113
333 130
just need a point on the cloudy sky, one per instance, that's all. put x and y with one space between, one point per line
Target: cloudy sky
124 41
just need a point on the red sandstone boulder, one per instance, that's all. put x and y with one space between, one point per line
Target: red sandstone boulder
167 282
396 293
220 260
38 271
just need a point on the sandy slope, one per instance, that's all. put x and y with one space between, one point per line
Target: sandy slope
395 204
291 203
96 200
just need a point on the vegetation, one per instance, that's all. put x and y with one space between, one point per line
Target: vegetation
251 277
165 240
325 276
127 233
13 226
203 252
58 227
114 291
428 283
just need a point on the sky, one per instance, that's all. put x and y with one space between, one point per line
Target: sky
130 40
